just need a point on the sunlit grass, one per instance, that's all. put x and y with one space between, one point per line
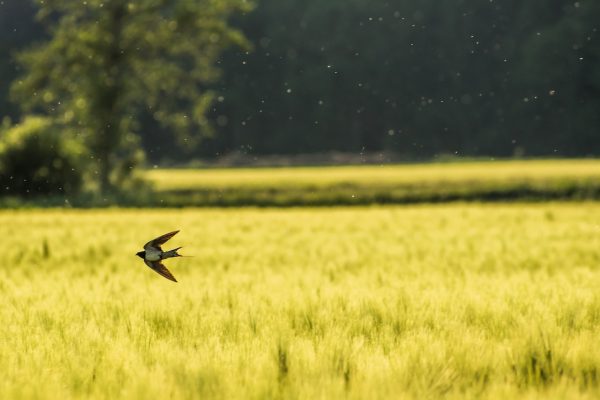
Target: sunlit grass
413 183
463 301
491 172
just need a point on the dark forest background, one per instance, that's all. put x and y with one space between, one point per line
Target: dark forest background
418 78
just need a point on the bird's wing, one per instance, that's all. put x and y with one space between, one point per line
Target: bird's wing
161 269
155 243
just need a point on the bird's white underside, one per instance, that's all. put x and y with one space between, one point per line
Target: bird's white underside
152 255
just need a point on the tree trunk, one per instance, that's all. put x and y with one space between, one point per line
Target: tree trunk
104 172
108 116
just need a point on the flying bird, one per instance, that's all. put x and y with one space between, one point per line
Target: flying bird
153 255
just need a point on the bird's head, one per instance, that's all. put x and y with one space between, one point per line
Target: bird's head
140 254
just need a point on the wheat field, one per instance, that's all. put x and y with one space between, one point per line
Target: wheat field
454 301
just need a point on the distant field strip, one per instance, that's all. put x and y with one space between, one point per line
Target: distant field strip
418 302
413 183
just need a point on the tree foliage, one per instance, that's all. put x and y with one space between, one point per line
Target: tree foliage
416 77
37 158
110 62
420 78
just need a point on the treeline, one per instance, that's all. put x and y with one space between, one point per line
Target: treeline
414 77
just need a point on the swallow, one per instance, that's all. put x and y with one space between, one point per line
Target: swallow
153 255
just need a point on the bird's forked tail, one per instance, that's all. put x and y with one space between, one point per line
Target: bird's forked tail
172 253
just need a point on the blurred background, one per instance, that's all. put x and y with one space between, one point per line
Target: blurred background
110 87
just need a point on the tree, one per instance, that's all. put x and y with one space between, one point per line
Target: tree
17 30
110 62
561 73
415 77
37 159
